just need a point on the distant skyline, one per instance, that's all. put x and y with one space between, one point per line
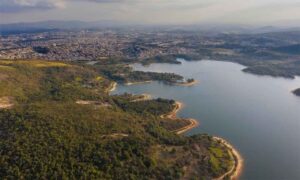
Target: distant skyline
250 12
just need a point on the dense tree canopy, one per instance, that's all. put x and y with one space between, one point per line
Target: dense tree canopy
47 134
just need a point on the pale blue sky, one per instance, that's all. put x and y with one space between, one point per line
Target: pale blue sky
154 11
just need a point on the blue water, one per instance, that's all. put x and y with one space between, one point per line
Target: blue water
258 114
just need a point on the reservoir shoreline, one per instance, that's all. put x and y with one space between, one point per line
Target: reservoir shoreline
236 169
235 172
228 102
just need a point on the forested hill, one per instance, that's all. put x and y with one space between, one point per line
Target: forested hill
57 121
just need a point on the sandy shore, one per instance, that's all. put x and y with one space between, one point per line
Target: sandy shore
193 123
112 87
187 83
236 170
173 115
177 84
141 82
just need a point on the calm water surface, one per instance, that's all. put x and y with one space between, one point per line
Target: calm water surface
258 114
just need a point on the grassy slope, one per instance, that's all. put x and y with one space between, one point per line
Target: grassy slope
47 135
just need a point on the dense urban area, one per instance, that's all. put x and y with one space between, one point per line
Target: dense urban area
274 53
265 53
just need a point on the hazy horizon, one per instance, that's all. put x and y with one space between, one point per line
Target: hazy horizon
157 12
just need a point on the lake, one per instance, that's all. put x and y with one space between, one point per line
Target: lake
257 114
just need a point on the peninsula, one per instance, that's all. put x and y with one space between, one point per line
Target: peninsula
235 171
189 82
53 109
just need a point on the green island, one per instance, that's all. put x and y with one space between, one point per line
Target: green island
297 92
58 121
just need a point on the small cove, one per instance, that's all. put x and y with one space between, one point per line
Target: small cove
257 114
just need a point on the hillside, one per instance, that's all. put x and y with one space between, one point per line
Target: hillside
57 121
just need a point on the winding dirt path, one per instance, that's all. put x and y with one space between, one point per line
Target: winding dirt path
115 135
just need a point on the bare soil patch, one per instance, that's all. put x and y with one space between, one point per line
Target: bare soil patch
6 102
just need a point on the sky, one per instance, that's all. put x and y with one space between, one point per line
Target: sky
248 12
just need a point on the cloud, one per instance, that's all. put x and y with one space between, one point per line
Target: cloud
10 6
13 6
151 11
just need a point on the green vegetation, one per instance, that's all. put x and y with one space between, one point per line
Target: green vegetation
45 134
190 80
288 69
195 158
151 107
124 74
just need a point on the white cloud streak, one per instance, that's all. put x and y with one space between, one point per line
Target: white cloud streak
154 11
13 6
